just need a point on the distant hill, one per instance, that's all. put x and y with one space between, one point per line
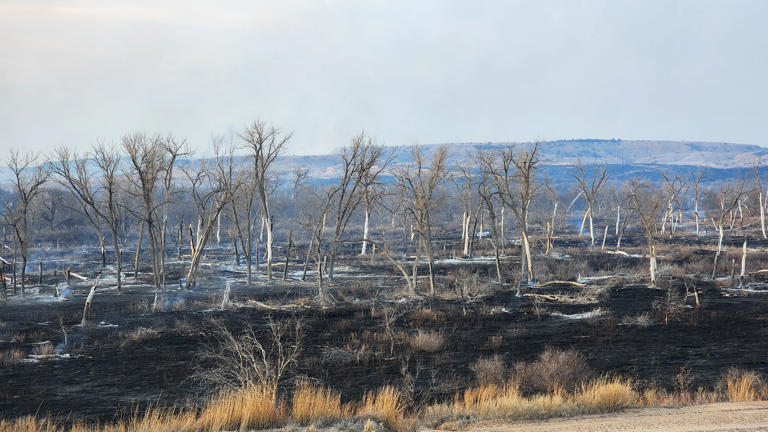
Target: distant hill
624 159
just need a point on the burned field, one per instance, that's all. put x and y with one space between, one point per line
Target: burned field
368 332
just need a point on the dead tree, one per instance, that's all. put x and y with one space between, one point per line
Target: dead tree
419 185
27 179
727 198
147 165
265 143
173 149
244 216
515 175
675 188
695 178
645 200
373 191
489 195
361 160
589 186
211 189
761 203
73 174
107 161
464 189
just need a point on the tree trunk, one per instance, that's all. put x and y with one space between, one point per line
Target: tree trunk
743 263
181 239
270 240
762 216
89 299
365 231
719 248
138 251
287 254
415 276
652 266
605 235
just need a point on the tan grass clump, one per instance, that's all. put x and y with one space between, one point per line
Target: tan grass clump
253 407
606 394
427 341
313 403
385 404
743 386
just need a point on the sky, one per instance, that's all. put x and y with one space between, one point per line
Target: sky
73 73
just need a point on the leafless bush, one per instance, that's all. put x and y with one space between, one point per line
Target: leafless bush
671 304
639 320
245 361
554 370
489 371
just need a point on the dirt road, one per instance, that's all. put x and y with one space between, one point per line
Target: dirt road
752 416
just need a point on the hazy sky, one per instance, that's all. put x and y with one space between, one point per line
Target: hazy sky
73 72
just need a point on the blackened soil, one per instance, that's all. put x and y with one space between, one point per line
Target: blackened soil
111 370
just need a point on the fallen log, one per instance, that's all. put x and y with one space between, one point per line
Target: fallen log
561 282
81 277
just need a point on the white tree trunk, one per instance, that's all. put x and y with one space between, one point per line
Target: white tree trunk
618 218
467 235
744 259
605 235
762 215
218 231
365 233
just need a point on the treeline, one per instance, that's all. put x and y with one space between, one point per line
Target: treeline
142 195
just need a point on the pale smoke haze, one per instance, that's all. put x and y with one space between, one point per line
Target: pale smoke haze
75 72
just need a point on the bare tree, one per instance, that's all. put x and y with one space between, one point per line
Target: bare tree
107 162
589 186
28 179
761 203
645 200
244 216
728 198
675 188
211 189
419 184
373 191
73 174
695 178
361 160
147 165
266 143
517 184
489 195
173 148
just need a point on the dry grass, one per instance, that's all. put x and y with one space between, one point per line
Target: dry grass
743 386
138 335
313 403
427 341
426 315
607 394
384 404
44 350
13 355
251 408
493 402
